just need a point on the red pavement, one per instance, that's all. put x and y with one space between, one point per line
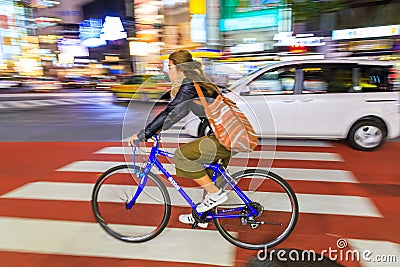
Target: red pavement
378 173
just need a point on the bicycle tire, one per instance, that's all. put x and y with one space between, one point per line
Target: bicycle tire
145 220
264 235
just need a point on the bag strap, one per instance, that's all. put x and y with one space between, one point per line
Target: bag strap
201 96
206 107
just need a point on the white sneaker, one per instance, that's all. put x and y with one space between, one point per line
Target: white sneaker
188 219
212 200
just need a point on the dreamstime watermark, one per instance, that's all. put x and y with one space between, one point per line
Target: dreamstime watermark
340 253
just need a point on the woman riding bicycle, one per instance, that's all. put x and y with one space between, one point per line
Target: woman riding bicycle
189 158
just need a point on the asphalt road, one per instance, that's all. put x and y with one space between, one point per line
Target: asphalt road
70 116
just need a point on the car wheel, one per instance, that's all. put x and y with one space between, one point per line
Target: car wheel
366 135
203 129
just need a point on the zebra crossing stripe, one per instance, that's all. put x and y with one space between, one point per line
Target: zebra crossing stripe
320 175
282 155
88 239
309 203
58 94
49 102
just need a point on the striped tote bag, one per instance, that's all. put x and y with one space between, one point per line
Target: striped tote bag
231 127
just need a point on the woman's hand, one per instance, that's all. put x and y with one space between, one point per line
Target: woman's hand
133 140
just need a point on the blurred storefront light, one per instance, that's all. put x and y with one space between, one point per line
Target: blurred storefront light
368 32
49 39
146 46
197 7
369 41
288 39
259 19
263 21
44 22
150 35
90 31
15 25
113 29
138 48
173 2
94 33
198 28
72 47
43 3
247 47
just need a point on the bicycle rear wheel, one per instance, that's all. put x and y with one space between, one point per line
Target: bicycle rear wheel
145 220
276 202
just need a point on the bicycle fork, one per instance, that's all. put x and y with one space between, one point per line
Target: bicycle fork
143 180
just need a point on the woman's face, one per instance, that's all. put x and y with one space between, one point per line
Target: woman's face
173 72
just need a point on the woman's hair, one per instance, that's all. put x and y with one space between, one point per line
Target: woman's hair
192 69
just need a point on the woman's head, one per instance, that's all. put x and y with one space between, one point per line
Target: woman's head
181 63
180 57
177 62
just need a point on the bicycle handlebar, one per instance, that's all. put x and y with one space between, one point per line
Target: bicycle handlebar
155 137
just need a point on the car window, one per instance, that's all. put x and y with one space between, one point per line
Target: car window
276 81
327 79
375 79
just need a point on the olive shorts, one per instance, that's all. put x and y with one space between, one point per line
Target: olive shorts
190 157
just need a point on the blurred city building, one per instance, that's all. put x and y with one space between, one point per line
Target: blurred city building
19 46
147 43
104 31
100 37
352 28
58 35
83 41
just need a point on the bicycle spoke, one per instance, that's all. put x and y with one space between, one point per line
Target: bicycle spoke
145 220
277 209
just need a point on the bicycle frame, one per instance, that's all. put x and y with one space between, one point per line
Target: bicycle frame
216 167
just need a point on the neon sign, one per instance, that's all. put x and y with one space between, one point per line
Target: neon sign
94 33
113 29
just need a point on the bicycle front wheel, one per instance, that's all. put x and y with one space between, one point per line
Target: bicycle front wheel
145 220
276 203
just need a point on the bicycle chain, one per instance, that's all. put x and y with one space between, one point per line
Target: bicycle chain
203 219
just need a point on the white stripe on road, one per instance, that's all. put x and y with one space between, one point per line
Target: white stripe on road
319 175
83 192
49 102
339 176
88 239
376 253
308 143
309 203
59 94
282 155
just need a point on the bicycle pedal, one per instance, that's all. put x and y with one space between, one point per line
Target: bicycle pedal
194 225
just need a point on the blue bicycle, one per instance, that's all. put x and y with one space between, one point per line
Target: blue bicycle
132 204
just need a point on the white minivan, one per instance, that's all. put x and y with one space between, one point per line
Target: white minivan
356 100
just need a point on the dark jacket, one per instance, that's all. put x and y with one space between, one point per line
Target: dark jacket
177 109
